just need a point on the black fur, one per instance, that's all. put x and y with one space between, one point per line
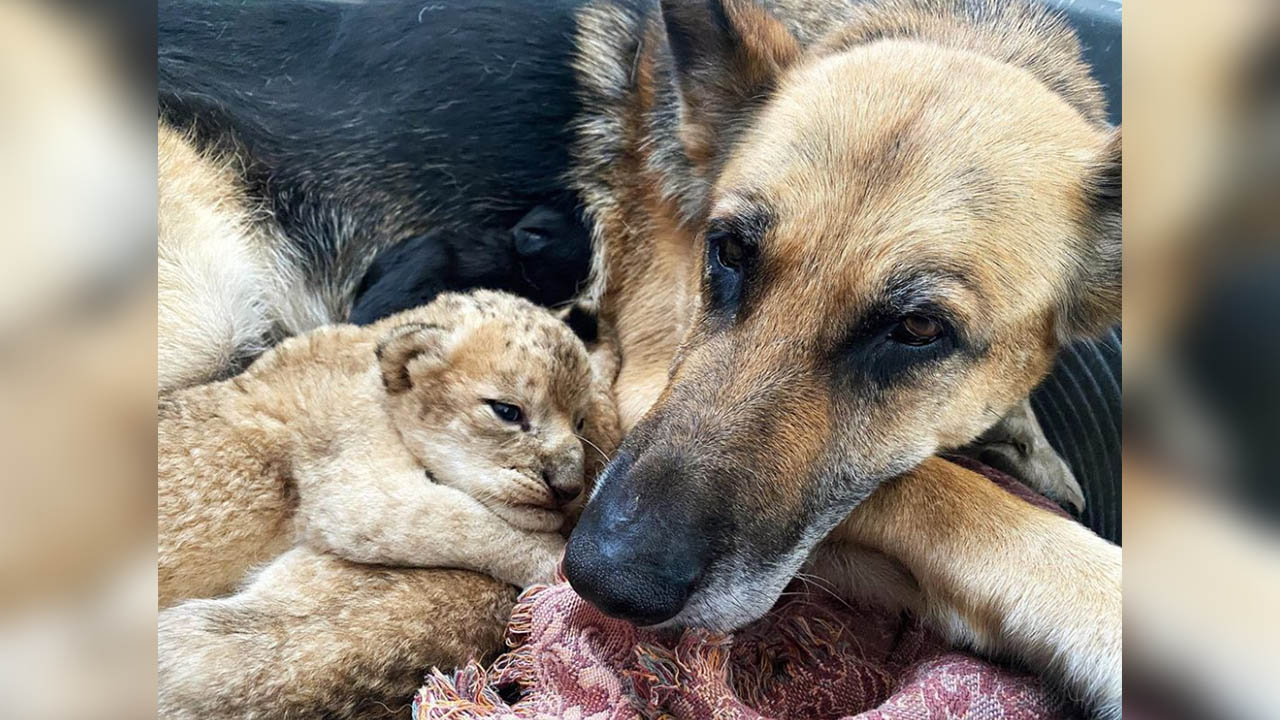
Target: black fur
545 258
361 125
584 323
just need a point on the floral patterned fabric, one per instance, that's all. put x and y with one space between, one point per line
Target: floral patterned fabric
812 657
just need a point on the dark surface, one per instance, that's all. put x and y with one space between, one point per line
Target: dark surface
1078 405
1097 22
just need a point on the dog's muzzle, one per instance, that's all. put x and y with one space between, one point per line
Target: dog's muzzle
632 556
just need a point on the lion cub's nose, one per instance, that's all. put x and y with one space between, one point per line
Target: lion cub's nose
563 489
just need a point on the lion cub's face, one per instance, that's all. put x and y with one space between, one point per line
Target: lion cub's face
493 395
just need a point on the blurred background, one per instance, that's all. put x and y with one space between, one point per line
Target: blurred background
77 360
1202 358
1202 334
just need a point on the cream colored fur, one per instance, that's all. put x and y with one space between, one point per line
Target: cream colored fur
991 572
319 443
350 448
226 287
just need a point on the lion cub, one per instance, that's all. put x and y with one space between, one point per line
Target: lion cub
450 435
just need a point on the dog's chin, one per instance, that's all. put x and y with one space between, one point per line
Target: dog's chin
719 615
740 589
726 606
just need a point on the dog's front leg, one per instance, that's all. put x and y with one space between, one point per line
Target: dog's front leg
1002 576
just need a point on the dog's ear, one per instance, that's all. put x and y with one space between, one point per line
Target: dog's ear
1093 302
728 56
408 344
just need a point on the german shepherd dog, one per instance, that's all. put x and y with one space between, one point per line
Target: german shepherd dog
831 239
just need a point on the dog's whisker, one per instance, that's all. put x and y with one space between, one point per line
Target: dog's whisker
824 585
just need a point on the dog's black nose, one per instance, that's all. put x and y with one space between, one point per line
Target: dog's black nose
628 563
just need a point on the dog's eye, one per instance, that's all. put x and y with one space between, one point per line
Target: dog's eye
506 411
582 423
729 250
727 258
916 329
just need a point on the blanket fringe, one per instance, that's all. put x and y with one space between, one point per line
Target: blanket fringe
467 694
660 673
519 664
801 639
470 691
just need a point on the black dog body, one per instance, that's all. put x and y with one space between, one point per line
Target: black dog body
363 125
545 258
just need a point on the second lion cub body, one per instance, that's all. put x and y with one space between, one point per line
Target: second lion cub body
445 436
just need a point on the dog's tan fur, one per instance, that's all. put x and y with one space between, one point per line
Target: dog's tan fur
213 269
994 573
228 284
374 445
884 136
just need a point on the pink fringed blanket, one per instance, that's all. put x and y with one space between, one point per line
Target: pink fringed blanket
811 657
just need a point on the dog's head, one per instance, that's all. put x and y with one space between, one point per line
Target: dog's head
899 236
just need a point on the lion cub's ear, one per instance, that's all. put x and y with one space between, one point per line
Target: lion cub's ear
405 344
1092 304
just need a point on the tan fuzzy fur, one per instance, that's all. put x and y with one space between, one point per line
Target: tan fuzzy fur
371 445
317 636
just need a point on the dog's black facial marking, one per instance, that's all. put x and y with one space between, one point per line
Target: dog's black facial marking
727 256
906 330
732 254
875 351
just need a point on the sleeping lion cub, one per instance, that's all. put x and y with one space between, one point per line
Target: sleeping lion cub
444 436
319 485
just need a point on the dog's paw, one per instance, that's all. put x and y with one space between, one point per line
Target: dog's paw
1043 471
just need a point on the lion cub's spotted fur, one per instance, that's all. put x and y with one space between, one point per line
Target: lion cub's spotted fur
377 445
362 446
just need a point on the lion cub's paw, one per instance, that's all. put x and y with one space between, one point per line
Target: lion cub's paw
540 560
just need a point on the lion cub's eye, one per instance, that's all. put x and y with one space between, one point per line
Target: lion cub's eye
506 411
916 329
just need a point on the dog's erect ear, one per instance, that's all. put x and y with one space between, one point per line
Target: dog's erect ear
403 345
728 55
1093 303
